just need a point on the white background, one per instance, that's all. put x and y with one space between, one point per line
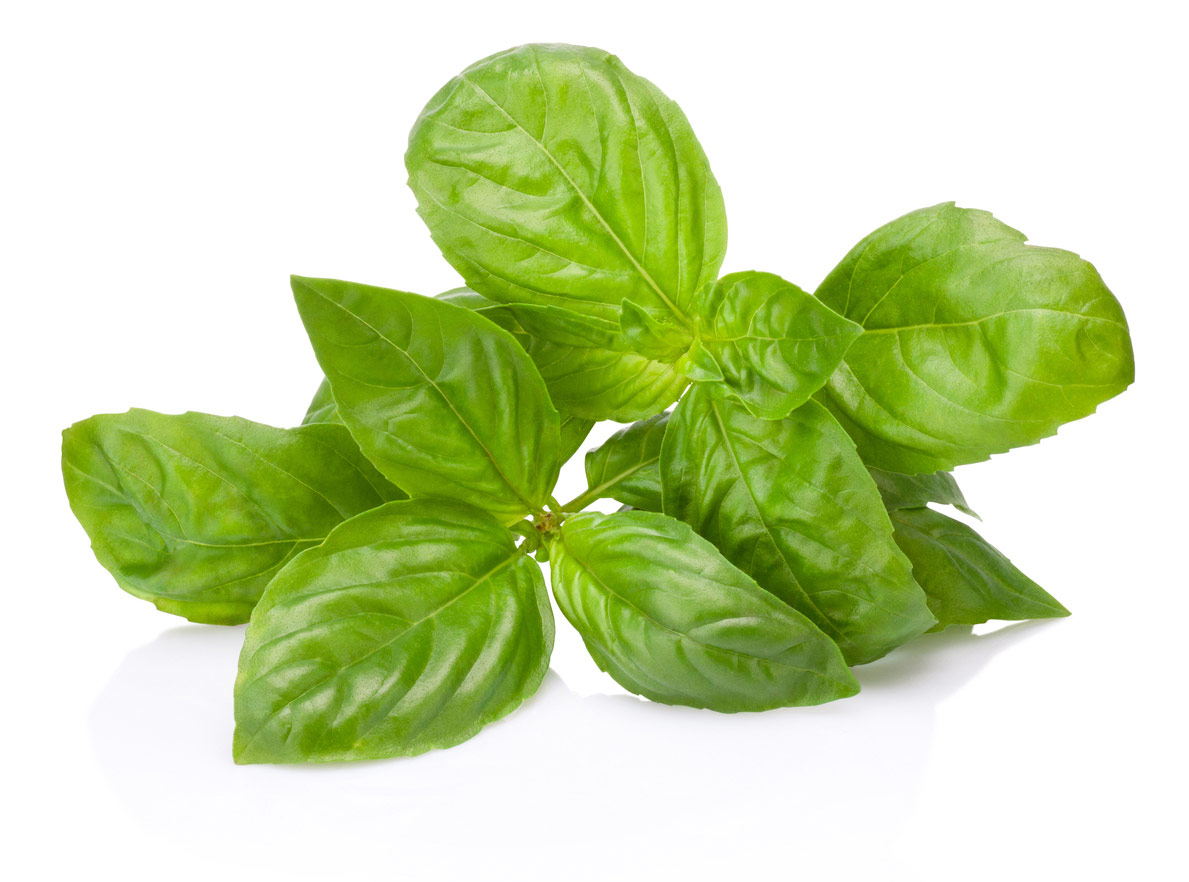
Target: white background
165 166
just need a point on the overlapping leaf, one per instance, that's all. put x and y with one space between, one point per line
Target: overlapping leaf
410 628
662 612
626 467
196 513
790 503
405 370
973 342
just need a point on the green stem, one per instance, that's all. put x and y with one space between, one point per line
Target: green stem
582 500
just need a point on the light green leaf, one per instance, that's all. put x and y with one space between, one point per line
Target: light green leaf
790 503
974 343
196 513
663 613
444 402
552 174
568 328
966 580
772 344
596 384
626 467
916 491
412 627
322 408
573 432
654 336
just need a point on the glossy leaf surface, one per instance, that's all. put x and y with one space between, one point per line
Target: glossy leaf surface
664 614
196 513
973 342
552 174
965 579
410 628
626 467
915 491
594 383
444 402
573 432
790 503
772 344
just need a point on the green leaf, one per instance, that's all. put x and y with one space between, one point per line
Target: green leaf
966 581
552 174
654 336
790 503
601 384
663 613
771 344
412 627
594 383
444 402
568 328
974 343
916 491
322 408
573 432
196 513
626 467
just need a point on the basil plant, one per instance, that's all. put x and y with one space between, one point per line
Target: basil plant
780 522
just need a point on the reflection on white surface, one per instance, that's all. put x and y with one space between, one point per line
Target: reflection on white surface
640 772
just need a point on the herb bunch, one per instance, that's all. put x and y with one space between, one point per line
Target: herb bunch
776 527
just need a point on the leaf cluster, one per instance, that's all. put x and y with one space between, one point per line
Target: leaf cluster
779 522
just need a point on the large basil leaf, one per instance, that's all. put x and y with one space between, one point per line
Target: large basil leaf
594 383
626 467
915 491
790 503
553 175
195 513
973 342
412 627
965 579
322 408
444 402
663 613
769 344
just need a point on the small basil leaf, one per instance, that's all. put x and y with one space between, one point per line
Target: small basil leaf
974 343
596 384
412 627
552 174
790 503
443 402
322 408
626 467
195 513
601 384
966 581
773 344
573 432
663 613
652 335
916 491
558 325
700 365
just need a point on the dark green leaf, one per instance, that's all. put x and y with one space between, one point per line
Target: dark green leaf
443 401
412 627
973 342
322 408
771 344
915 491
790 503
626 467
966 580
552 174
195 513
663 613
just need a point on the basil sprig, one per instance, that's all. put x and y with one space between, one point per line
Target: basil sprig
781 525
